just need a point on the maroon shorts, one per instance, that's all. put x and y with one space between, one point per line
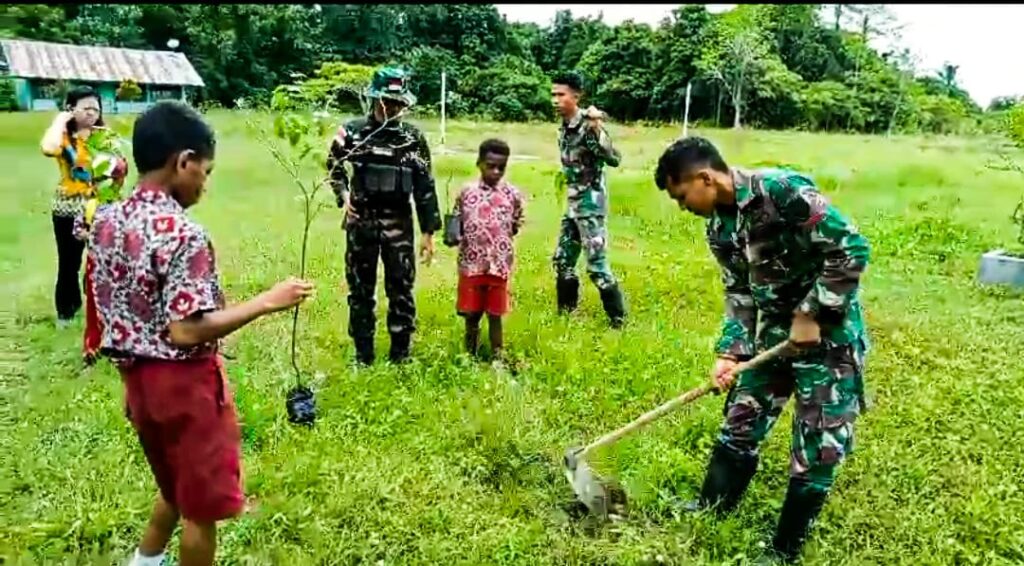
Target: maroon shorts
483 293
186 423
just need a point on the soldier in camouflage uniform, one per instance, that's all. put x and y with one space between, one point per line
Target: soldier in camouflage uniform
791 266
585 149
390 162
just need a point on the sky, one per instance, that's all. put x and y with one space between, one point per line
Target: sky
984 40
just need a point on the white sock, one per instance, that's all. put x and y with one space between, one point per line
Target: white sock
141 560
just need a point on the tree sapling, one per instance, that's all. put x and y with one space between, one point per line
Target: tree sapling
304 134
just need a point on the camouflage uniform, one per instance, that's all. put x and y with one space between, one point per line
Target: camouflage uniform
785 249
390 162
584 153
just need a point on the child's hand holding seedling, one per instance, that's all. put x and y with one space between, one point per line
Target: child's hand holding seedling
287 294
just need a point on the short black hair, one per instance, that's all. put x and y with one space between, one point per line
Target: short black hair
684 156
495 146
78 93
167 128
571 79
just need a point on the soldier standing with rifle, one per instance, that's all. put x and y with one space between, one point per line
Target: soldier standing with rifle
390 162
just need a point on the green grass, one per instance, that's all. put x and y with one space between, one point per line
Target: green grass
447 462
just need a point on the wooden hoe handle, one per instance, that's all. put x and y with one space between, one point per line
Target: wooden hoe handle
681 400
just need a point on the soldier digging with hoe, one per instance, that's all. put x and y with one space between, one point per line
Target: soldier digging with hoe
585 149
390 162
791 267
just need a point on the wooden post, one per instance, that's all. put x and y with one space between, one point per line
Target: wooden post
444 101
686 112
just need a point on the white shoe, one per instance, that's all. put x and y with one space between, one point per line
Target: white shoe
63 323
140 560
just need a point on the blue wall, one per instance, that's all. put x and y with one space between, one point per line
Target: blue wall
29 97
23 93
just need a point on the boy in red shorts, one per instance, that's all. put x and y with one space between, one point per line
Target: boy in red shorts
159 299
490 213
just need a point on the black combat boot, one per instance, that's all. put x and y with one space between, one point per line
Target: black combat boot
364 351
614 305
727 479
568 291
799 512
400 348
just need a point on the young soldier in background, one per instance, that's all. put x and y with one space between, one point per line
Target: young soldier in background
585 149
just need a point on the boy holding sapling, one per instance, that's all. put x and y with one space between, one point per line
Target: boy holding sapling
158 294
489 214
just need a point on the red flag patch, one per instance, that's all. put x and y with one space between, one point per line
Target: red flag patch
817 208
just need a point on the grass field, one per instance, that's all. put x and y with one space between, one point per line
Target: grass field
447 462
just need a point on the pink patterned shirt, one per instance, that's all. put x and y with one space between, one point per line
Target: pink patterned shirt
490 218
153 266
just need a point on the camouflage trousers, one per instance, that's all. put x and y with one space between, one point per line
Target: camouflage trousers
577 234
827 382
390 239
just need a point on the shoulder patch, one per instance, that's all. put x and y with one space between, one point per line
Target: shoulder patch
817 207
340 136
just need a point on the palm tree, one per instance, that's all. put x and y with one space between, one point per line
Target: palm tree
947 74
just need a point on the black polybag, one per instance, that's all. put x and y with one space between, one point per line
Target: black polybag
301 406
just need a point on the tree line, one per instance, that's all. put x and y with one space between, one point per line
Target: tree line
765 66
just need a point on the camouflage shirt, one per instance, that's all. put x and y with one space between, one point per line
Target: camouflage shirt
584 153
396 152
783 247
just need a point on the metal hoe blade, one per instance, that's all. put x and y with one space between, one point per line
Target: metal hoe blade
590 489
605 499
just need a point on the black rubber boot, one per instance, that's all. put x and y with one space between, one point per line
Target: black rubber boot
727 479
400 348
568 291
799 511
614 305
364 351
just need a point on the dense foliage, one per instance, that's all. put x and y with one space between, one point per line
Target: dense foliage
8 101
129 91
768 66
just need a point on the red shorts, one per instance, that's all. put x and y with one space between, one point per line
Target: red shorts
483 293
185 420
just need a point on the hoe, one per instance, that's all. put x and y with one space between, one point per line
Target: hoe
605 499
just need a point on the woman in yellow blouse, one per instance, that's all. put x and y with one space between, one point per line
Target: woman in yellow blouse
65 141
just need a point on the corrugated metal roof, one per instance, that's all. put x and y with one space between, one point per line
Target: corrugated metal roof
44 60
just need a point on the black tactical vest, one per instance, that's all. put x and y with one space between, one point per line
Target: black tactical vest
385 164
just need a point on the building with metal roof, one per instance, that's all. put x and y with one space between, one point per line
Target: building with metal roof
43 71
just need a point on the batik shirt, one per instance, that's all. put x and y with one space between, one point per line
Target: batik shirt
153 266
75 186
490 217
782 248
